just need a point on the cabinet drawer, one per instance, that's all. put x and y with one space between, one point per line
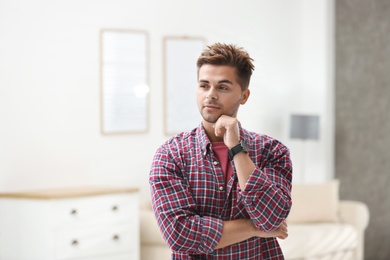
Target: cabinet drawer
96 241
95 210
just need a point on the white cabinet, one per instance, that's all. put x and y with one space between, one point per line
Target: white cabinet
93 223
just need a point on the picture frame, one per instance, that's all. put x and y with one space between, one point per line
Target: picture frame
124 81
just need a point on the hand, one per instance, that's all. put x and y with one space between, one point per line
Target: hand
281 232
227 127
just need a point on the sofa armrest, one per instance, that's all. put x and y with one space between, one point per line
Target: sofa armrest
357 214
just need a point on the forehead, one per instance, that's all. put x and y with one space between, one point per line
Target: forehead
217 72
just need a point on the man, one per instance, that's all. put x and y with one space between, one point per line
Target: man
220 191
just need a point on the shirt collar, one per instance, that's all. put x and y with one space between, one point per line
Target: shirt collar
203 140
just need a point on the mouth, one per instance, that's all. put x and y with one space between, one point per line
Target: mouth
209 106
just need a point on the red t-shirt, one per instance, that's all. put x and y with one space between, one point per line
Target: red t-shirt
221 152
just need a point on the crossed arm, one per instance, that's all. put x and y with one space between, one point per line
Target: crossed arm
235 231
186 231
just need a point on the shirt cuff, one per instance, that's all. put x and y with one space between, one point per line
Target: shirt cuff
211 233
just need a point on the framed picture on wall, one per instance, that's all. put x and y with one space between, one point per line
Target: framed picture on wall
180 82
124 84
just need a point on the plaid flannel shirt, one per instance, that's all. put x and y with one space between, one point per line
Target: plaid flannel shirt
190 199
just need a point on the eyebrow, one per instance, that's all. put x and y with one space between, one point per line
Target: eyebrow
219 82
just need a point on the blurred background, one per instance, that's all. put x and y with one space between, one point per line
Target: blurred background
327 58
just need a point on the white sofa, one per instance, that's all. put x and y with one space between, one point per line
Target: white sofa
320 226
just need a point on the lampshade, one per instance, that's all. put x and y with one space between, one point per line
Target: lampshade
305 127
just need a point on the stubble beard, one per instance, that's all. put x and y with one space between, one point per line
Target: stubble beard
209 118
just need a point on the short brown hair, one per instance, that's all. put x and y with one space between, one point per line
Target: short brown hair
230 55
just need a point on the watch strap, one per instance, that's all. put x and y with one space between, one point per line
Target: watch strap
240 147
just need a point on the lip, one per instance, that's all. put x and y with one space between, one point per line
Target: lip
211 106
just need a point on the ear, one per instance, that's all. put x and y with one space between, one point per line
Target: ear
244 96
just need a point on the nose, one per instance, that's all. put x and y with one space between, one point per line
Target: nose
212 93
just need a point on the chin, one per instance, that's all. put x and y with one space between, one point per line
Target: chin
211 120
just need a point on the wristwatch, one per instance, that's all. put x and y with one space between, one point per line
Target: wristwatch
241 147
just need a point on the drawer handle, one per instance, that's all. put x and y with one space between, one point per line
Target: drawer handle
115 208
75 242
73 212
115 238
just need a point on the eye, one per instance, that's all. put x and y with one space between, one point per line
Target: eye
223 87
202 86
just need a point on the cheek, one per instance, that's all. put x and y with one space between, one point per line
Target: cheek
200 95
232 101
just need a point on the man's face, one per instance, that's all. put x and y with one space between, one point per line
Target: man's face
218 92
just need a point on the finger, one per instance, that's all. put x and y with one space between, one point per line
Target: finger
219 129
283 228
283 236
216 129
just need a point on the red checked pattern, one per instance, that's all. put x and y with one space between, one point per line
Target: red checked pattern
190 200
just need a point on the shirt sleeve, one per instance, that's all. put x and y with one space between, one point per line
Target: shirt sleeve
175 210
267 193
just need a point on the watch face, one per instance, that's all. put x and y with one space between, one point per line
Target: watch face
244 146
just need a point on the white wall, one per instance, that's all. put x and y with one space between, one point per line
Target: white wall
49 82
315 94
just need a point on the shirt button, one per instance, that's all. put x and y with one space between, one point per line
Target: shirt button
220 187
215 162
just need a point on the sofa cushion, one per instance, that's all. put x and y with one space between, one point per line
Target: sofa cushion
314 202
319 241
